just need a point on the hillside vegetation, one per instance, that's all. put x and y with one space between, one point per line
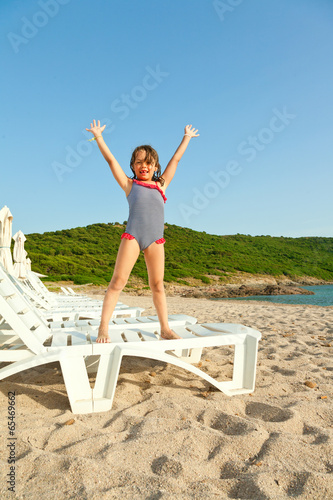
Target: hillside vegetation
87 255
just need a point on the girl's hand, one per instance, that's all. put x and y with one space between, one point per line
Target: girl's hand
96 129
191 131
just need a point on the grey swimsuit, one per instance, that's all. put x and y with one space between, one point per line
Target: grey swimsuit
146 214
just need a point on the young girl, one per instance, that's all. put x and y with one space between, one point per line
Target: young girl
145 193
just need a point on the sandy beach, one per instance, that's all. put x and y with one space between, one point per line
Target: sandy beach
169 436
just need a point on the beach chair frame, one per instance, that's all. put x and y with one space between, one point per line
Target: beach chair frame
26 342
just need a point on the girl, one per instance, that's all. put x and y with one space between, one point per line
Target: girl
145 193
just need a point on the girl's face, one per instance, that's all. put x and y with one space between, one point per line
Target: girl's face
144 171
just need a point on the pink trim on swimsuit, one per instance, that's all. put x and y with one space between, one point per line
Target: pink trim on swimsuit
128 236
153 186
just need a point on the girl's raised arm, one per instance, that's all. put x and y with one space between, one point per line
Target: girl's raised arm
171 167
118 173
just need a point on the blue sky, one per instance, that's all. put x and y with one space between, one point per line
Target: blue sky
254 76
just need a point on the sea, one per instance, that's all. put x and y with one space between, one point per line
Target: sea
323 297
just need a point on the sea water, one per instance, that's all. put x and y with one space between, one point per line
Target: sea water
323 297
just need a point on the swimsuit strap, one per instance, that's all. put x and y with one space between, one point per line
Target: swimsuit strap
152 186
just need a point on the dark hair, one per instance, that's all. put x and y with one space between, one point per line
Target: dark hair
151 157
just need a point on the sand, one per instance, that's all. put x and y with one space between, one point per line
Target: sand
169 436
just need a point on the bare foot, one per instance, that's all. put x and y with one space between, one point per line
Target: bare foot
103 336
169 335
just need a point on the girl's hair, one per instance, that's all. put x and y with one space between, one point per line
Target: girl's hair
151 157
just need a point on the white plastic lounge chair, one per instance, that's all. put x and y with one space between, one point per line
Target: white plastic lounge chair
38 288
27 342
50 301
40 295
71 310
33 282
70 292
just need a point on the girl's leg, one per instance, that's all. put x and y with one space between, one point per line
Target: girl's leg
154 257
127 256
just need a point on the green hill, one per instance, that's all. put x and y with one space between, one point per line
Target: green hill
87 255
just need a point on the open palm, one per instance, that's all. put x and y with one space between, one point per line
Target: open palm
191 131
96 129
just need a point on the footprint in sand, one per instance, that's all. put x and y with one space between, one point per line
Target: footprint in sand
247 488
320 437
230 425
268 413
231 470
164 466
296 486
287 373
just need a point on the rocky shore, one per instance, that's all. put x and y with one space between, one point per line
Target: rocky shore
244 285
232 291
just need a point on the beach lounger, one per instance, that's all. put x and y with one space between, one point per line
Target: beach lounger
48 300
70 310
36 285
70 292
26 342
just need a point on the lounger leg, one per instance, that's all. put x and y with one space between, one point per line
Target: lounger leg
74 373
250 363
108 371
106 380
77 384
239 365
244 372
109 365
107 376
